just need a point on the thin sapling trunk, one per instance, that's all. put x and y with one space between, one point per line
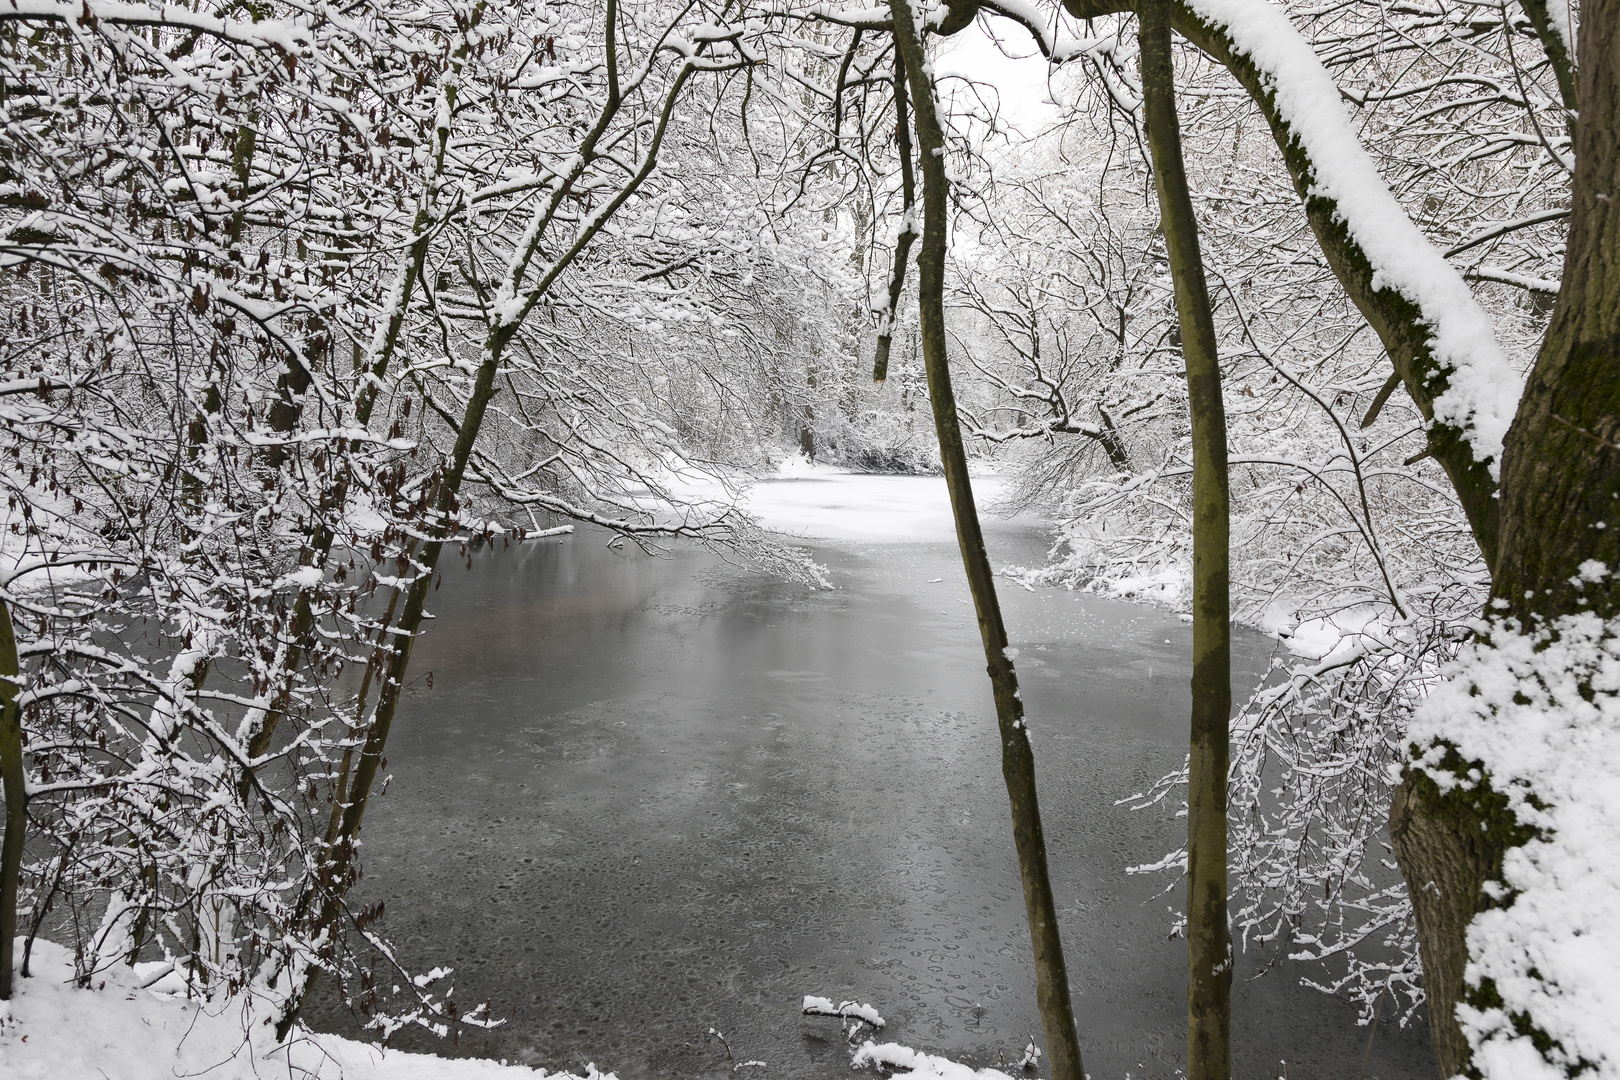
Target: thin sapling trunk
908 225
11 774
1017 759
1209 941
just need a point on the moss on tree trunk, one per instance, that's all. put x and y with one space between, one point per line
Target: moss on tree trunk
1560 513
1209 940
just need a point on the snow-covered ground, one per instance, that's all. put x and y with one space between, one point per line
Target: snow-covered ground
818 502
117 1031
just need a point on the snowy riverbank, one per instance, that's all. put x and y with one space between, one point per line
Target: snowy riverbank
51 1030
117 1031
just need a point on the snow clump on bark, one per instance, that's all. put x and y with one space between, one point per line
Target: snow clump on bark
1539 714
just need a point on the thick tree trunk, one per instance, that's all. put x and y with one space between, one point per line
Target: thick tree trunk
1017 759
1436 847
1209 939
1560 512
1561 468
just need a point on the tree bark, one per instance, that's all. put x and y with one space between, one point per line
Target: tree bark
15 781
1446 865
908 227
1209 941
1017 758
1560 510
1561 466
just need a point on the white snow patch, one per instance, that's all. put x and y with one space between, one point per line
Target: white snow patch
820 1006
831 504
540 534
1562 24
305 577
1332 639
119 1031
921 1065
1515 703
797 467
1170 586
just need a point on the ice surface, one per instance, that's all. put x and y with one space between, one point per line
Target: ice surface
831 504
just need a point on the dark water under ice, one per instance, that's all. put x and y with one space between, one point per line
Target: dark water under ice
650 795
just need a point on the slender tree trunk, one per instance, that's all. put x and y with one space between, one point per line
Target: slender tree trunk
1017 759
1209 941
1560 500
337 872
406 275
341 853
11 774
908 228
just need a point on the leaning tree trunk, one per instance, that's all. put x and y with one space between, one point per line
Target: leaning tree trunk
337 873
1560 509
1209 939
1017 759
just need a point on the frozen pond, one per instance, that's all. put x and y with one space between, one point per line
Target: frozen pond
647 796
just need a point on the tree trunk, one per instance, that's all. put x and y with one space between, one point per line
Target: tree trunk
1446 859
1560 509
1209 940
1017 759
407 273
908 226
15 781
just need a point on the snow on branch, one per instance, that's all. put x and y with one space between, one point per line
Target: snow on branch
264 33
920 1065
1483 386
1057 46
820 1006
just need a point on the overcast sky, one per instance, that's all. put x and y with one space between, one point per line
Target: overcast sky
1019 78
